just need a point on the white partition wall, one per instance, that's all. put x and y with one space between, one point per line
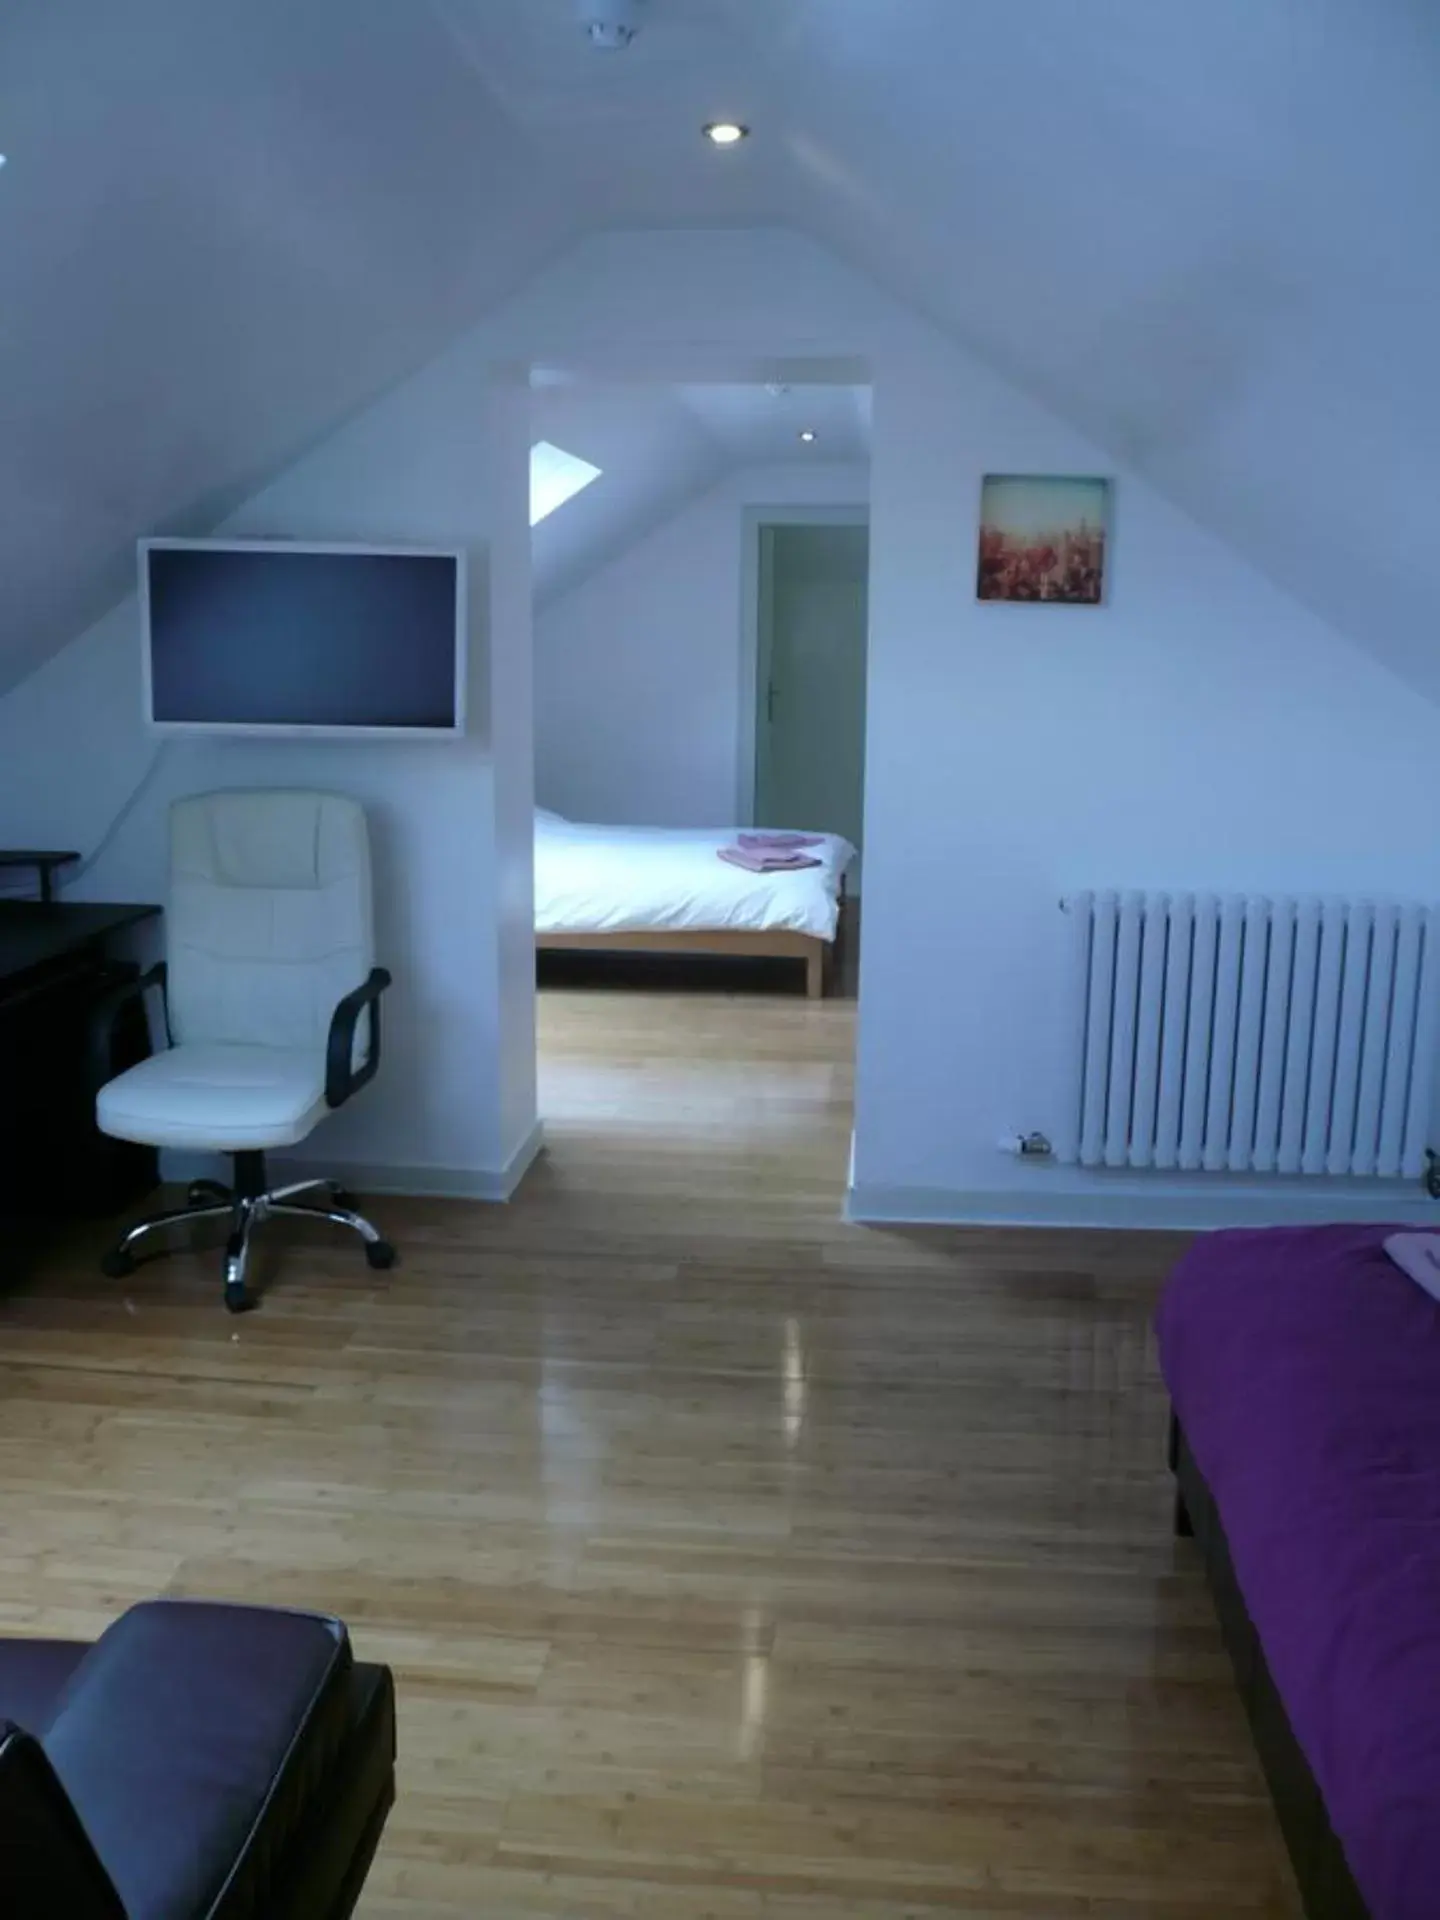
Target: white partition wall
1200 730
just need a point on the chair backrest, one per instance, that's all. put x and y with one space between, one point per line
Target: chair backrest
270 919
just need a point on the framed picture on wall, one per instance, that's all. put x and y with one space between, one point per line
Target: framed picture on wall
1043 538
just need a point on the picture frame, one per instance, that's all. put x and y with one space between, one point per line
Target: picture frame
1044 539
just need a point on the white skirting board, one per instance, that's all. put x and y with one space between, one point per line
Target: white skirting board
1178 1205
442 1183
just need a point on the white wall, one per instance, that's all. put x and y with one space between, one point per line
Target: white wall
653 454
1200 729
638 687
454 1104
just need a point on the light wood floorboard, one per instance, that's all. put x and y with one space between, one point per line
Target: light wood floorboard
733 1562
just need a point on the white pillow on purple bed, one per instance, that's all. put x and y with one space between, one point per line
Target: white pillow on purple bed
1418 1255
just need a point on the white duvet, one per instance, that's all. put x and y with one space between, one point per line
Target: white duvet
593 879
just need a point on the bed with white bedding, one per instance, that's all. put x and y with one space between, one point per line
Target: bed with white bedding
665 890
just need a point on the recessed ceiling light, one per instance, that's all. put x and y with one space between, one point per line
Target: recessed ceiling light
725 133
807 434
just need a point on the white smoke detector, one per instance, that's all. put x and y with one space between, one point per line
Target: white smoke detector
611 24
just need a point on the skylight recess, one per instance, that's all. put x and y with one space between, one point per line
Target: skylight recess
555 477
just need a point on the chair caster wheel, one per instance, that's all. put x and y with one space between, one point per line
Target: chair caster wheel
116 1265
380 1253
238 1298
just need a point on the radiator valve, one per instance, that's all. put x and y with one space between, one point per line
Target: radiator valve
1026 1146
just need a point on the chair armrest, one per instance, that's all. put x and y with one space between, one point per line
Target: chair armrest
107 1010
47 1863
341 1075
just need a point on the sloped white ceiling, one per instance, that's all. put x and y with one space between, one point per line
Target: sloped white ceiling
653 455
659 446
755 424
222 228
1208 235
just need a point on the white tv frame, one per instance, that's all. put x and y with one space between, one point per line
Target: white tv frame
273 730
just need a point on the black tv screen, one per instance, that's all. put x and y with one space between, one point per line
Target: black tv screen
292 638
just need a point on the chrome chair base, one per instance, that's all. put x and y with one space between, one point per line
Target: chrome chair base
247 1209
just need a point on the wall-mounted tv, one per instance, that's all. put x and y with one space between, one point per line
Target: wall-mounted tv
282 637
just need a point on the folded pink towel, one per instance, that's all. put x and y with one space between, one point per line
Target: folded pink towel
778 839
754 860
1417 1254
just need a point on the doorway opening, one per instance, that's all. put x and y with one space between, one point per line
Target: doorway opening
700 620
807 600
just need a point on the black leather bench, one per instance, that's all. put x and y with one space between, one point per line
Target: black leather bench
198 1762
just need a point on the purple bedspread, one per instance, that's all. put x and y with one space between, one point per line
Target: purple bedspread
1305 1370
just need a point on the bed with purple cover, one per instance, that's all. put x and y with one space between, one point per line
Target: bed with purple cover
1304 1371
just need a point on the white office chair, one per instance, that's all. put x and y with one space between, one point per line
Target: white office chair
272 1009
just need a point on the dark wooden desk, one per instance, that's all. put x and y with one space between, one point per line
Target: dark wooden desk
43 863
57 958
36 935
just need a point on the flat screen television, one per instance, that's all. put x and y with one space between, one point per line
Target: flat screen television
282 637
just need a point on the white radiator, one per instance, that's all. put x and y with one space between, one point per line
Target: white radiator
1241 1035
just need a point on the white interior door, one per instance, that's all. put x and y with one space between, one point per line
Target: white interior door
813 616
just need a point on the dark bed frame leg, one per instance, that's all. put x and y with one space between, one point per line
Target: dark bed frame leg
1184 1525
1327 1891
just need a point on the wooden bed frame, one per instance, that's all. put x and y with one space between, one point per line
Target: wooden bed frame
1326 1886
778 944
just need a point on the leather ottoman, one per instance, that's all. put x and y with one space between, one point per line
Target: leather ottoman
229 1762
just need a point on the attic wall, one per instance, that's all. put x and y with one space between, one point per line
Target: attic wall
1200 729
653 456
639 705
456 1101
210 259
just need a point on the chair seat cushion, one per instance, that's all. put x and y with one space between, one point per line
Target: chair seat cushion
225 1099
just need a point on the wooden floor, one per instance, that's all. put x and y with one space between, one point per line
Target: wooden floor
733 1563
